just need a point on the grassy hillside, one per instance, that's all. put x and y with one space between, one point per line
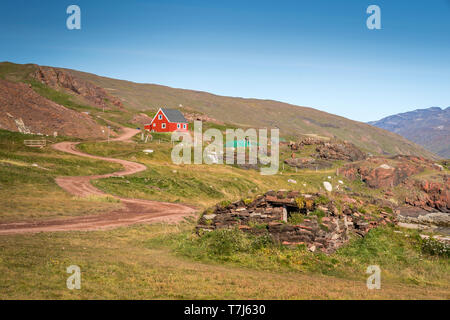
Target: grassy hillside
199 185
292 120
27 186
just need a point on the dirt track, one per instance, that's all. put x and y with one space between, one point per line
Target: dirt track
133 210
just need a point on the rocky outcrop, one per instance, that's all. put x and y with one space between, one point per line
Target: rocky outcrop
322 225
308 163
309 141
326 153
432 195
340 151
379 172
195 116
417 218
60 79
23 110
330 150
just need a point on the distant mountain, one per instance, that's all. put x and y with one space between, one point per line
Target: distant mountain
121 99
429 128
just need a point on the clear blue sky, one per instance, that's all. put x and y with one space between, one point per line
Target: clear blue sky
310 53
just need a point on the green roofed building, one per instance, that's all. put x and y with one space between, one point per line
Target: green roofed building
239 143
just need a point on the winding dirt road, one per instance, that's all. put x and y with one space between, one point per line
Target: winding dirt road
133 210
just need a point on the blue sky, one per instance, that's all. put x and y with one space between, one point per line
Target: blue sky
310 53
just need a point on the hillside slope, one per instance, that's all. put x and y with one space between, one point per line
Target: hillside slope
23 110
293 121
429 128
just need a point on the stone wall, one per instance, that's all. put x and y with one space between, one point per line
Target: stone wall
323 225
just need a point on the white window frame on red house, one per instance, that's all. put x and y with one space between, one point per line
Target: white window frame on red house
160 117
178 125
184 126
163 125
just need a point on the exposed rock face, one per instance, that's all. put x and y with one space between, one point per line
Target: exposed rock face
432 195
326 153
23 110
418 218
377 173
311 141
386 173
269 213
57 79
305 142
340 151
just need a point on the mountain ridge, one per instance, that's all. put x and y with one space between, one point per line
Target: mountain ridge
429 127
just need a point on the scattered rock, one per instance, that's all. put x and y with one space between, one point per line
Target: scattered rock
328 186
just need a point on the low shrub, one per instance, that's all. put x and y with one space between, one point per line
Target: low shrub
435 248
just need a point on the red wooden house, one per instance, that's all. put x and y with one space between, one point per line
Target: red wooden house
168 120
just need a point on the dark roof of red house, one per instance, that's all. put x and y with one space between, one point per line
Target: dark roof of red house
174 115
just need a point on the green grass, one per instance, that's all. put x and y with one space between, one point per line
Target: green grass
200 185
16 72
296 218
27 186
168 262
399 255
172 262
